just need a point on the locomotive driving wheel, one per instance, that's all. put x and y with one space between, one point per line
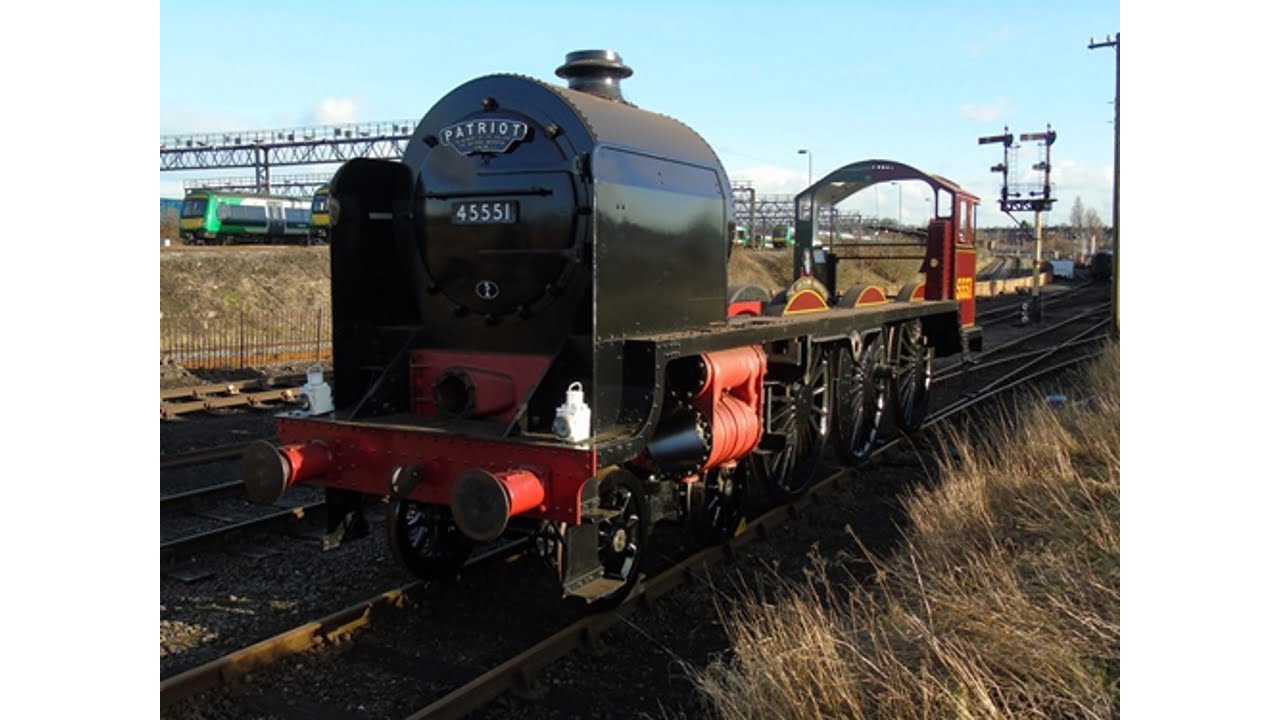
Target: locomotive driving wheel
425 541
799 411
913 375
859 399
621 533
718 504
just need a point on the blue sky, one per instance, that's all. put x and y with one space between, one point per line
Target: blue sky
917 82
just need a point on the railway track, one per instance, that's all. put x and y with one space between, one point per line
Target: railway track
999 309
259 393
230 530
232 451
518 672
1002 354
221 503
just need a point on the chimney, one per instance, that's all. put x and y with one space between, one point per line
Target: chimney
598 72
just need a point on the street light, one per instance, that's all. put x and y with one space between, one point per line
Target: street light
813 217
806 152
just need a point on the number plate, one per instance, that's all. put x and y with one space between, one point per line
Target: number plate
493 212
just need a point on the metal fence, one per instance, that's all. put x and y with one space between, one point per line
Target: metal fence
246 340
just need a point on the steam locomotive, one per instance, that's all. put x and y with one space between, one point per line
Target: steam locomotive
534 336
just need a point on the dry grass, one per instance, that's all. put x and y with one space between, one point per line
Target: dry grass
1002 602
225 281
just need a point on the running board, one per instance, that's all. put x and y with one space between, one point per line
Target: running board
596 588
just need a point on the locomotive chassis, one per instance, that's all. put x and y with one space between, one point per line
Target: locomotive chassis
411 440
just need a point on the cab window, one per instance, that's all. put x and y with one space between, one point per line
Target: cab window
194 207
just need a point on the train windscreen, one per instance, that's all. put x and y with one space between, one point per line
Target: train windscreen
194 207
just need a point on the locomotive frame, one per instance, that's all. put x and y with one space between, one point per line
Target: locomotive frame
536 238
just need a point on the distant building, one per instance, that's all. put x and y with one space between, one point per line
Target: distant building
168 205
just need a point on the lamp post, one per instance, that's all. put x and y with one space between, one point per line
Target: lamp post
806 152
813 215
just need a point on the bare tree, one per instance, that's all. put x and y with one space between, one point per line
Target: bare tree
1077 216
1094 226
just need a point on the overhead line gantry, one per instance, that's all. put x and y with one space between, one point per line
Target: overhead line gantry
263 150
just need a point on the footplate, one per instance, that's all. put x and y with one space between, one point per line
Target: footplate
581 571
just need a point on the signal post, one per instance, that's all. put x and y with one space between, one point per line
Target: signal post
1036 200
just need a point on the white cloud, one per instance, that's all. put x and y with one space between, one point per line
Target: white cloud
985 113
332 111
772 179
1092 183
1072 173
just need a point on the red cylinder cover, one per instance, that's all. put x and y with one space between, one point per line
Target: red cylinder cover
732 396
482 502
306 460
523 488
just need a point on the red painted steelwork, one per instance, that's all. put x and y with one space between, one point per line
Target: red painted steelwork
805 301
482 502
966 267
754 308
951 259
912 292
870 295
363 456
938 271
862 296
732 395
497 382
307 461
524 490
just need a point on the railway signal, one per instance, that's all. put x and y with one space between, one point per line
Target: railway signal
1037 201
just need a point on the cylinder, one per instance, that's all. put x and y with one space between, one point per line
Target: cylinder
736 369
482 502
681 443
732 395
737 430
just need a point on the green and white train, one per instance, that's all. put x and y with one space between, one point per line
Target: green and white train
215 217
320 215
